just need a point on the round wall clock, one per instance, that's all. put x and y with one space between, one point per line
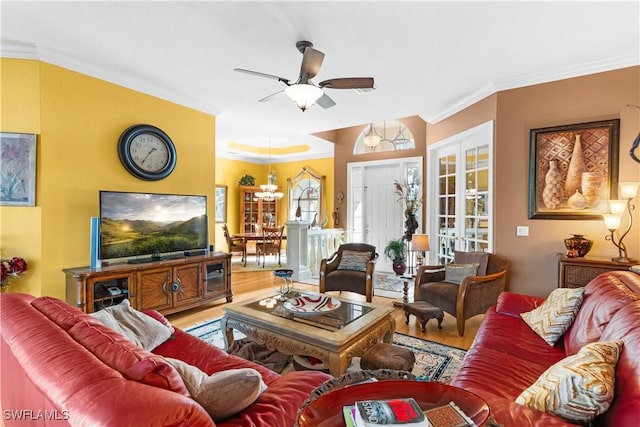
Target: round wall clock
147 152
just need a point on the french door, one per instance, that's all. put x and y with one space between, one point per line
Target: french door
460 194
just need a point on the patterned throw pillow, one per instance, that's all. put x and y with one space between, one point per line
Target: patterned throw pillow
455 273
556 314
354 260
579 387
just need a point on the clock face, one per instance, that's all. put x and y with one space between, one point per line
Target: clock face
147 152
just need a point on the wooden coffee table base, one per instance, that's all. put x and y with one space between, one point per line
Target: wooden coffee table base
336 357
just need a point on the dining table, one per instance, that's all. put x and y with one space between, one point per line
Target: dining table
248 237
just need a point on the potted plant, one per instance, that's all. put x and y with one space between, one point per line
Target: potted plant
247 180
396 252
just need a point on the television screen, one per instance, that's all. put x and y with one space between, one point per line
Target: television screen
139 224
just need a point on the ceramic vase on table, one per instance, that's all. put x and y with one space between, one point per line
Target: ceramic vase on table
553 189
577 245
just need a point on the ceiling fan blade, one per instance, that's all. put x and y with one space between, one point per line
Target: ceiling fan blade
259 74
348 83
325 101
311 62
269 97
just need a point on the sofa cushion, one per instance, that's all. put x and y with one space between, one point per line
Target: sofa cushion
482 258
59 312
556 314
603 297
455 273
132 362
137 327
354 260
222 394
579 387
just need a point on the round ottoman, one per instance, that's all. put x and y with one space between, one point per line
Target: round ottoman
388 356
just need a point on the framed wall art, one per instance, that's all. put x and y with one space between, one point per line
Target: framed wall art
221 203
573 170
17 169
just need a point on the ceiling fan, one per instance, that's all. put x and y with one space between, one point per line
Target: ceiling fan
303 92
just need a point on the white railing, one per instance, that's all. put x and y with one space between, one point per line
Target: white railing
322 243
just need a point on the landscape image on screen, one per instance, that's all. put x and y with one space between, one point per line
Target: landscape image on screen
136 224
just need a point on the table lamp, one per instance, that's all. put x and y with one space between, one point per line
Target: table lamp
420 244
613 220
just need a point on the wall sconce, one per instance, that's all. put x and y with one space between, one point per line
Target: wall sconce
420 244
613 221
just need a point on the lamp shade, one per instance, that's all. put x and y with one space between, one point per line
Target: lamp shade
629 190
420 242
304 95
612 221
617 207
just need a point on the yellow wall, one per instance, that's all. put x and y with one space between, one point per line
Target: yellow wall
78 120
229 172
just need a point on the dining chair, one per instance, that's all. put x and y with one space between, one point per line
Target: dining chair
235 244
270 244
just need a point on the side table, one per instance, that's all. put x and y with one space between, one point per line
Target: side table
577 272
406 281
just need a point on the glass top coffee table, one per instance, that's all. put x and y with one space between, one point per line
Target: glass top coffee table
333 337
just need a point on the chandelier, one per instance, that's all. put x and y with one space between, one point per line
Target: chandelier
269 191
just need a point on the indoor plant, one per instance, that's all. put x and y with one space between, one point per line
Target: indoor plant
396 252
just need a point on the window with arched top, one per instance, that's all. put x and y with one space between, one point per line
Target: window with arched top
306 191
388 135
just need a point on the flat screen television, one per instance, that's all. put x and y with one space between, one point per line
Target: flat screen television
152 226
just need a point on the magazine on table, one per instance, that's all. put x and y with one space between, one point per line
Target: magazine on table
402 412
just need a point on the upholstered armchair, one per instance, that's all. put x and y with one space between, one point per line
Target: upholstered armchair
465 288
350 268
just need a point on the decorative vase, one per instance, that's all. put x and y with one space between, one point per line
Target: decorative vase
410 226
575 170
577 201
399 267
591 187
553 190
577 246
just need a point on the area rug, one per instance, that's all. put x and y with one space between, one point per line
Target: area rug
434 361
386 285
237 266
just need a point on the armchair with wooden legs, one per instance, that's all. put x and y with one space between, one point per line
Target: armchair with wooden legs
473 295
350 268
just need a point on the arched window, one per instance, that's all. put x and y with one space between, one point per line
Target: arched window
306 191
388 135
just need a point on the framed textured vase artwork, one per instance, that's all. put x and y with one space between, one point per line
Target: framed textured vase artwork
17 169
573 170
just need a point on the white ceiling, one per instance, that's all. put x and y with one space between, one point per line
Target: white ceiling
428 58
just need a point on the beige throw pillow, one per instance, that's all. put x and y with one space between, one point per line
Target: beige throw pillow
455 273
222 394
579 387
137 327
556 314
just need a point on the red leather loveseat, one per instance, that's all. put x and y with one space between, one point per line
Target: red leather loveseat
507 356
52 378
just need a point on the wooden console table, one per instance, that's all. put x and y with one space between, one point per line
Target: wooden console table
577 272
168 285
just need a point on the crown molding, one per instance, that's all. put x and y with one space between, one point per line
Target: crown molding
529 79
19 50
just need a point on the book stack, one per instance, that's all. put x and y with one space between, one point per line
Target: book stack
404 412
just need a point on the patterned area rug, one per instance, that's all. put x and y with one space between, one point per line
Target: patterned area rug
384 284
434 361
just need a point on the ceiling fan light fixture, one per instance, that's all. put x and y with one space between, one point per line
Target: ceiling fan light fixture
304 95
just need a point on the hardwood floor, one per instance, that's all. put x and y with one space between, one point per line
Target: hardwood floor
258 284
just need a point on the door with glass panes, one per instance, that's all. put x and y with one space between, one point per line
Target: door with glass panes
461 194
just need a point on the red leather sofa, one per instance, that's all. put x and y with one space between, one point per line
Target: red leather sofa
50 379
507 356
